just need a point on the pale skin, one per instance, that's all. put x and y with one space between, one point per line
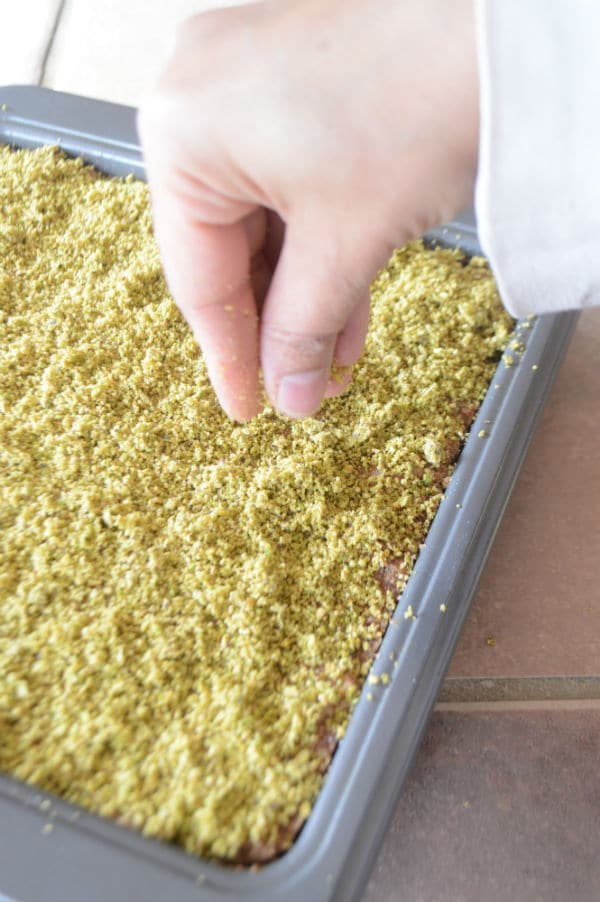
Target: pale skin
290 145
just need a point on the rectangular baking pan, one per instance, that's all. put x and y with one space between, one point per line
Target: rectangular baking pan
84 858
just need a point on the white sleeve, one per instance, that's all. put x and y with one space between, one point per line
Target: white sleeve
538 187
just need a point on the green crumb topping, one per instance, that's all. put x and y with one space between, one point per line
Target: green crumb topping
189 606
339 373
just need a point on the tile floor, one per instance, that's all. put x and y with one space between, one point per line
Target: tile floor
504 800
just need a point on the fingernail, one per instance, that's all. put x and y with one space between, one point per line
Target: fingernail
300 394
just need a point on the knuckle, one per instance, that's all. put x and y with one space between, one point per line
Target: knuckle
213 29
199 26
294 345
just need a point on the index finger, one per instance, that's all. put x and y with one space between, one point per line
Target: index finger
208 271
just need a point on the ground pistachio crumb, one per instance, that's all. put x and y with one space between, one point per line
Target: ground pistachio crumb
190 606
339 373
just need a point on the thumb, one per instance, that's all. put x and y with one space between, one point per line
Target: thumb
316 312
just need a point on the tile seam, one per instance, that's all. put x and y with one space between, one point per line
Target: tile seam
497 707
530 688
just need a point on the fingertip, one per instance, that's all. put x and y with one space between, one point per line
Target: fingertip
227 338
236 387
240 409
339 381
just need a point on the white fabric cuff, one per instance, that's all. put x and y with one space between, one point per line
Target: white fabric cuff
538 187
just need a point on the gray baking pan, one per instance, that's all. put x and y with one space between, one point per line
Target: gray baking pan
84 858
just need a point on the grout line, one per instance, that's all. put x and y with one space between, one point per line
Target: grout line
50 42
524 688
575 704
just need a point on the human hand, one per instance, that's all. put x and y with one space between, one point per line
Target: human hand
290 145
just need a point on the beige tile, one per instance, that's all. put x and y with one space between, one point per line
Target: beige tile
501 806
539 597
25 30
113 50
